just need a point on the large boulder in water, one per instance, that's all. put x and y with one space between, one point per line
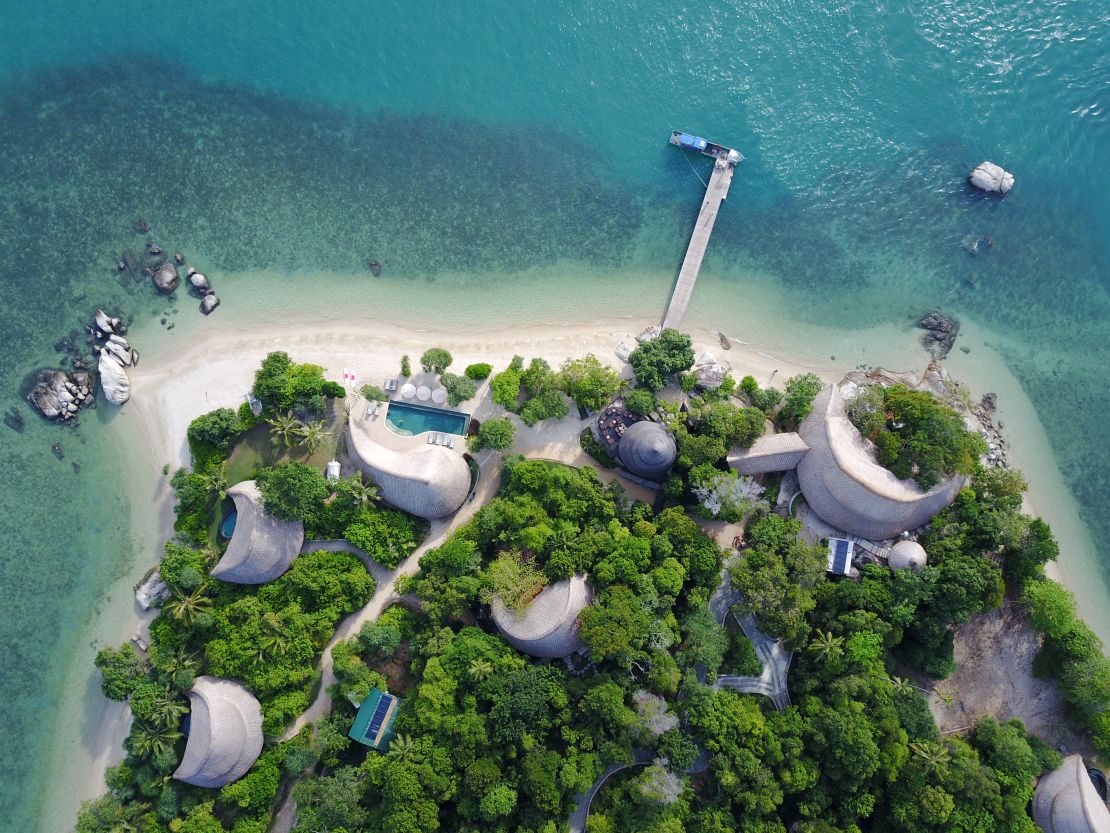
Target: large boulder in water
990 177
209 303
166 278
113 379
199 282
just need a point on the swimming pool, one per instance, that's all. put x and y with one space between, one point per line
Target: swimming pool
409 419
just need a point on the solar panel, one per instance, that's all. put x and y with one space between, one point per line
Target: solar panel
840 559
379 715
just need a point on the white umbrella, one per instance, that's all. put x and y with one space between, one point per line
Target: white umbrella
439 396
408 390
423 392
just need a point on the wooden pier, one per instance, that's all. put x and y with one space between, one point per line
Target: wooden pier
715 193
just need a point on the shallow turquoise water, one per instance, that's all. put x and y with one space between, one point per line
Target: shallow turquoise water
462 144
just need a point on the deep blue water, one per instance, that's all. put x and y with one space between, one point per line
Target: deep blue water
483 139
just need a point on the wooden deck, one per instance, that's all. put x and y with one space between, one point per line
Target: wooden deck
715 194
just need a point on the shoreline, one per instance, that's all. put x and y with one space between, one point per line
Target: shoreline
172 387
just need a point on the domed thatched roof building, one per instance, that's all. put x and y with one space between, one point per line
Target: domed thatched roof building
1066 801
907 555
262 547
225 733
548 627
848 489
647 449
430 481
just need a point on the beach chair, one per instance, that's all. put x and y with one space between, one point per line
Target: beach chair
431 437
451 442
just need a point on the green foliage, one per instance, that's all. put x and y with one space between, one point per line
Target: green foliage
435 360
512 580
406 366
655 361
459 388
798 399
292 491
550 404
704 642
386 535
212 434
640 401
1052 609
765 400
284 386
729 424
374 393
615 627
921 438
505 386
478 371
588 382
496 433
120 671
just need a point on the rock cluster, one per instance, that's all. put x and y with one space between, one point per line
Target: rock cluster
711 373
199 282
990 177
161 268
59 395
115 354
940 333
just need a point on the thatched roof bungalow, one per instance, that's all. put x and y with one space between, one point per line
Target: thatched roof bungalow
429 482
848 489
647 449
225 733
1066 801
262 547
548 627
776 452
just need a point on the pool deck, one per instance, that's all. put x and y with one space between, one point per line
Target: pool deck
379 432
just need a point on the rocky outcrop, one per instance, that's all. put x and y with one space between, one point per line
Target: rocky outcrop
199 281
56 395
209 303
166 278
940 333
991 178
710 372
113 379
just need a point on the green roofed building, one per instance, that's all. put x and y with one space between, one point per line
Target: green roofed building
373 724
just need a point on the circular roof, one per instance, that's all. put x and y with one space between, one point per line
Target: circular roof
647 449
907 555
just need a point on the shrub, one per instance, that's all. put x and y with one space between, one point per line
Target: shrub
551 404
435 360
406 367
640 401
284 386
217 429
765 400
505 387
592 447
459 388
588 382
496 434
385 535
478 371
120 671
334 390
292 491
374 393
798 398
655 361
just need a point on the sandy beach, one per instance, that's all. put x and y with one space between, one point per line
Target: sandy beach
216 369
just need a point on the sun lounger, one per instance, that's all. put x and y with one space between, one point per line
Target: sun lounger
431 438
451 442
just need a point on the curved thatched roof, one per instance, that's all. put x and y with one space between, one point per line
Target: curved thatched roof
225 733
907 555
776 452
1066 801
548 627
844 485
647 449
429 481
262 546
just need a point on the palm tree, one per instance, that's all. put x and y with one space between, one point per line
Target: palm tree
624 387
313 436
149 740
168 710
827 645
215 481
186 606
902 685
275 639
933 756
286 429
480 669
402 746
361 491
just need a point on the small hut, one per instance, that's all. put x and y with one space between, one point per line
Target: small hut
225 733
373 724
548 627
647 449
1066 801
907 555
262 547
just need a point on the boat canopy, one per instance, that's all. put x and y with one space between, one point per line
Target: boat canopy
692 142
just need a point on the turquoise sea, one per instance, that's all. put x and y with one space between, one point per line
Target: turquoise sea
467 145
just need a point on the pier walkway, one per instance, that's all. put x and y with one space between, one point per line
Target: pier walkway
715 194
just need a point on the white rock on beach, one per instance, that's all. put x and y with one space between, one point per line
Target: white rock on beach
988 176
113 379
121 353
